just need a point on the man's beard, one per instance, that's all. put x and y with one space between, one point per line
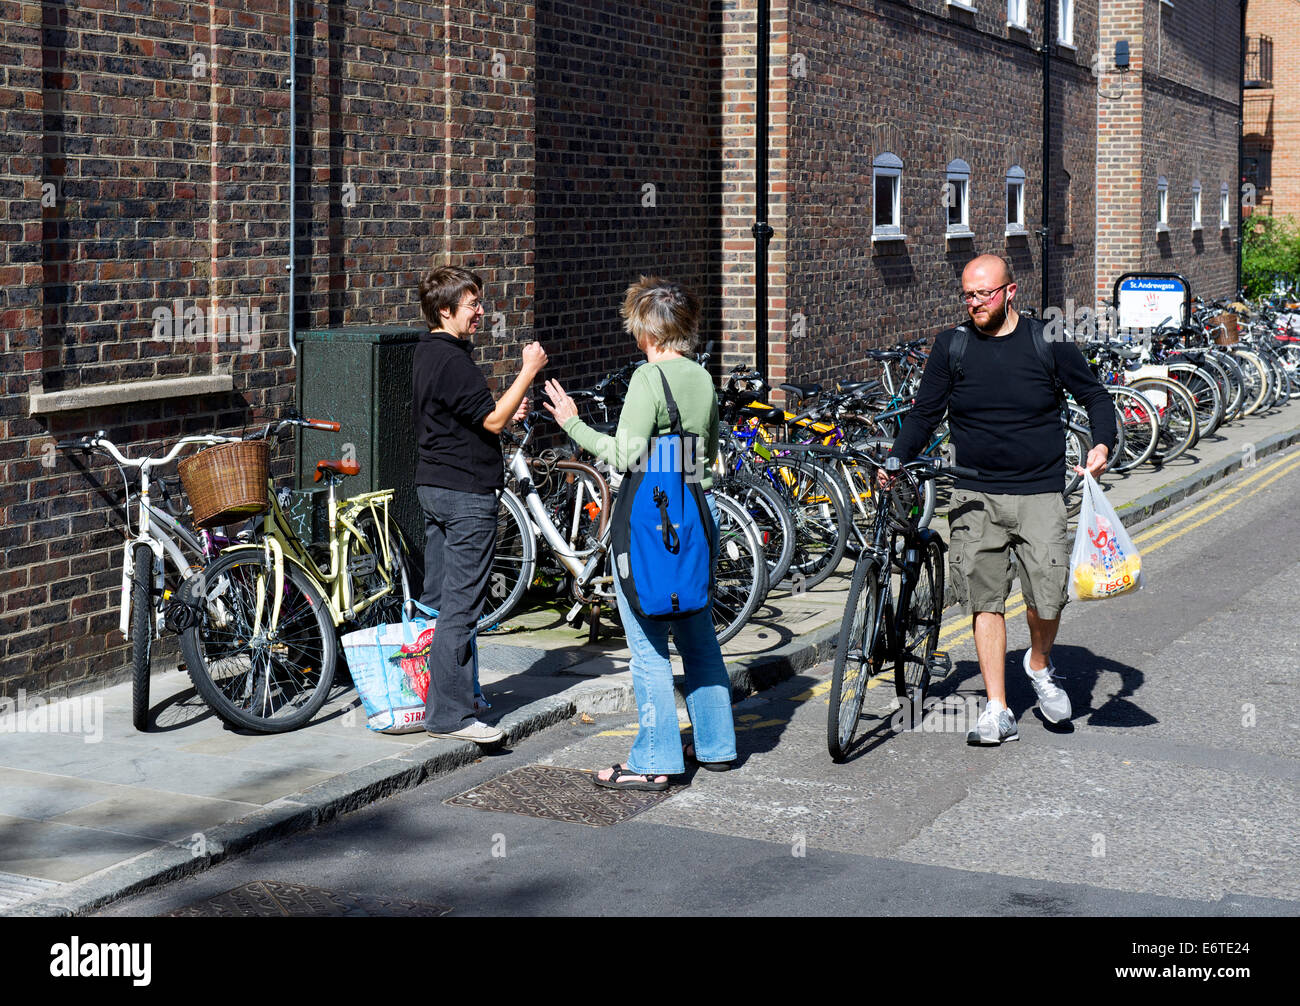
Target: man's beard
996 318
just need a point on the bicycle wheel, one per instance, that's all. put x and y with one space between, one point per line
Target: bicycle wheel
920 635
1206 397
859 639
271 680
513 561
740 577
921 507
774 523
1077 445
820 517
142 623
1255 376
1177 416
1137 419
371 573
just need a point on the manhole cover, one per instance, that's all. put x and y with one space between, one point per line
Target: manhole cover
264 899
557 794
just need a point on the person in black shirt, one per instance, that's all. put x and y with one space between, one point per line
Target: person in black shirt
458 474
1004 419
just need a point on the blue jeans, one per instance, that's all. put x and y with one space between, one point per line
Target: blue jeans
460 535
657 749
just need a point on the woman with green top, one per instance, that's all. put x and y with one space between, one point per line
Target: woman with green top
663 318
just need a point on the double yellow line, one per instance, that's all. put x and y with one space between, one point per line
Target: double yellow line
958 628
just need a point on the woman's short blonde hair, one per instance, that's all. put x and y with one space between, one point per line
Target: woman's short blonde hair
663 313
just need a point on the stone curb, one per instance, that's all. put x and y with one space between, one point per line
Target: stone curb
406 770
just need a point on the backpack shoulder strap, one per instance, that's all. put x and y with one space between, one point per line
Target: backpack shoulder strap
957 354
674 417
1038 335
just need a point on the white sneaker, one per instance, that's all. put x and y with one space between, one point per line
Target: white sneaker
479 733
995 725
1053 703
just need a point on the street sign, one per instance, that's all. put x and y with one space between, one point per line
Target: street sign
1150 300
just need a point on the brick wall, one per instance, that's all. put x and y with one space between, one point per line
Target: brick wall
1273 125
627 169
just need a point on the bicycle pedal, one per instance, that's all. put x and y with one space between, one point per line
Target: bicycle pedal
575 615
940 665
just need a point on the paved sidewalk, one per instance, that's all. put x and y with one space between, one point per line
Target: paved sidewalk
91 810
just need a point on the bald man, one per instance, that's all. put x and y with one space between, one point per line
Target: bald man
1003 410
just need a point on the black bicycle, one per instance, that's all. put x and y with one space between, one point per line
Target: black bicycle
882 624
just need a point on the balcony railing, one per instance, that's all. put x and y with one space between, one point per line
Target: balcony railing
1259 61
1257 118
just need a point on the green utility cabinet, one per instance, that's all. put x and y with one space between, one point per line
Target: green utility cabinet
361 377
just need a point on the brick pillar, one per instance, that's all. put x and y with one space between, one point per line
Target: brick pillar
739 104
1119 147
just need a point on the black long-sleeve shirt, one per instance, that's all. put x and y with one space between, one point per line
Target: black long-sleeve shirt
450 400
1003 414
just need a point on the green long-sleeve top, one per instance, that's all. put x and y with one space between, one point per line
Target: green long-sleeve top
645 414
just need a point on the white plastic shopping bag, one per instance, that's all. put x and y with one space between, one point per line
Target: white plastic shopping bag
1104 562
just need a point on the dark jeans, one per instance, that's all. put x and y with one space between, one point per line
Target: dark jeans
460 537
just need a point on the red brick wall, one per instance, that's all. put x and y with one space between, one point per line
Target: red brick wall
1278 106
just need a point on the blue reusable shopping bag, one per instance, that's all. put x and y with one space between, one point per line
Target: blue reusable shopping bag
389 666
662 528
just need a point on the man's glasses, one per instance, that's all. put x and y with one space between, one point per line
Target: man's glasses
981 296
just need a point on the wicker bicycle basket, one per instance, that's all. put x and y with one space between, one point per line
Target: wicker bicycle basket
226 484
1227 334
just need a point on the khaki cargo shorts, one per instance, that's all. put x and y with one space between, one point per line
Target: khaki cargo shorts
985 529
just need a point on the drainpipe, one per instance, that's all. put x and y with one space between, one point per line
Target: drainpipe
293 167
761 230
1241 149
1045 230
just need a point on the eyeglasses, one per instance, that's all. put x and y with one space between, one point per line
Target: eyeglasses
472 306
982 296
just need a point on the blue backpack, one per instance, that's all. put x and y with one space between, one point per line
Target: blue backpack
663 531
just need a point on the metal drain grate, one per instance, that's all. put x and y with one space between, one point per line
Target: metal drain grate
557 794
264 899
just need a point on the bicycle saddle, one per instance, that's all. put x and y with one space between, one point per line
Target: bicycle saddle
340 467
763 413
883 354
802 391
852 387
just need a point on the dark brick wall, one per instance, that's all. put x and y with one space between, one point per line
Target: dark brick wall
627 169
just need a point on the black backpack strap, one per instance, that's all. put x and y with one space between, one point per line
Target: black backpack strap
1038 335
957 354
674 417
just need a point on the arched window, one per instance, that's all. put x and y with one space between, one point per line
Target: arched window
956 197
1225 207
1196 205
887 179
1162 203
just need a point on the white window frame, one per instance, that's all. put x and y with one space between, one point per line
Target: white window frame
888 165
962 5
1225 207
1065 23
1162 204
1196 205
1016 179
958 175
1016 16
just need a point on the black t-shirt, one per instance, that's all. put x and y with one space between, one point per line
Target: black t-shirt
450 401
1003 415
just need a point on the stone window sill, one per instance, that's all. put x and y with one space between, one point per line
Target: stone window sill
43 403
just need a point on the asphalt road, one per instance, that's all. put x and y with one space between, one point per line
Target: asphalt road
1174 792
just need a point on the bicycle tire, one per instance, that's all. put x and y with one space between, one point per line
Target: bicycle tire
774 523
1236 394
142 624
1206 398
399 572
250 681
1078 443
740 576
879 447
919 637
1256 380
514 561
1177 416
858 640
820 516
1140 424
